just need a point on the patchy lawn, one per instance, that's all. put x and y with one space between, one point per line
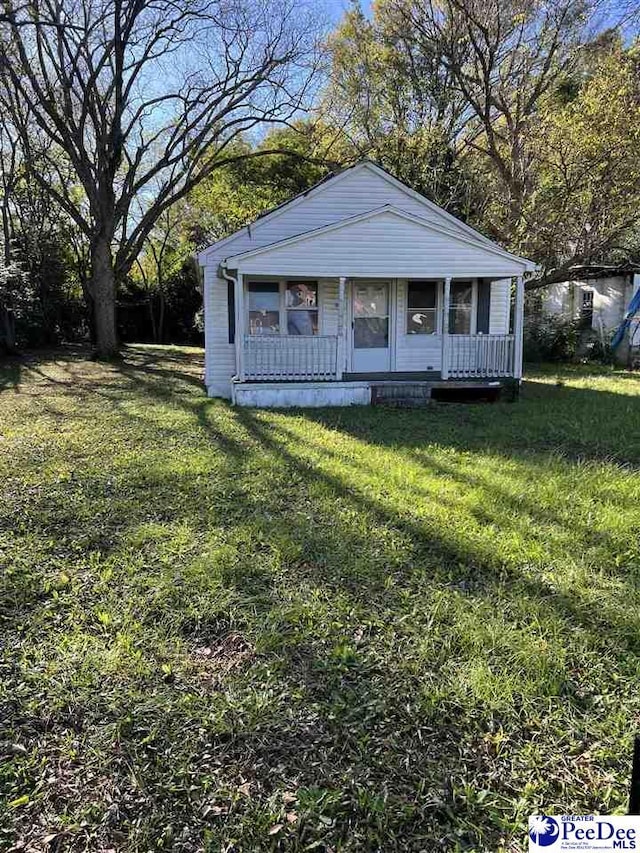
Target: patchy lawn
328 630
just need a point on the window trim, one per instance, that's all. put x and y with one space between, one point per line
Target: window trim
282 302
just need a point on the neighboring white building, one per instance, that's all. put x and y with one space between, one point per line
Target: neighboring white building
598 298
358 281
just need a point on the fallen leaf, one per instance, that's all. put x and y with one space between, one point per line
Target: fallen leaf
291 817
275 829
215 811
289 797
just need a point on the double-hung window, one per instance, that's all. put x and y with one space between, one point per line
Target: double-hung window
460 308
283 307
422 308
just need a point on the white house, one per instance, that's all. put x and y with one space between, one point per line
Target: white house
598 298
355 285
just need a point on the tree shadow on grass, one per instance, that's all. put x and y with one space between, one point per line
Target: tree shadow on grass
10 373
452 558
580 424
377 630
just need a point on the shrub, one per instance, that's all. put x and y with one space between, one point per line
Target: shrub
550 338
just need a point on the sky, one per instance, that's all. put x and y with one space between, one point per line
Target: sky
338 7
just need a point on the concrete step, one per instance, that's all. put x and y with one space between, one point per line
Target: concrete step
401 395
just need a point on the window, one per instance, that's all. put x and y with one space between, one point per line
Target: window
283 308
586 309
301 300
421 308
460 303
264 308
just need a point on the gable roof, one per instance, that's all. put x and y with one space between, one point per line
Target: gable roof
330 181
382 236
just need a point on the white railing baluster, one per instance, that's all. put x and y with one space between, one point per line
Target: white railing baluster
290 357
313 357
482 356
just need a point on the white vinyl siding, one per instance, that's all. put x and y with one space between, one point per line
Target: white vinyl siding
383 245
220 355
500 307
355 191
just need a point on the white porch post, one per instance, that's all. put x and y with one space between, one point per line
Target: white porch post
341 321
240 326
518 328
444 369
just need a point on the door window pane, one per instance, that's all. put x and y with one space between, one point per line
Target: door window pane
371 332
371 316
301 299
460 308
264 308
421 313
371 300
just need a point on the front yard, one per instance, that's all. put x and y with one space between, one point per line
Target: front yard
336 630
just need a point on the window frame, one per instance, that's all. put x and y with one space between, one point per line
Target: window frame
248 308
586 317
296 308
283 309
439 287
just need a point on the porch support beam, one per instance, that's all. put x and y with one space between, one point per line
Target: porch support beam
342 286
518 328
444 369
240 326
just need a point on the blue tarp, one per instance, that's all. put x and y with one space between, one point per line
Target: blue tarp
632 310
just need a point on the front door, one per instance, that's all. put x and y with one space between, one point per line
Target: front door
371 352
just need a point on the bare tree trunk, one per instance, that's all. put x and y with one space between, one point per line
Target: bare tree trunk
7 331
161 316
152 317
103 291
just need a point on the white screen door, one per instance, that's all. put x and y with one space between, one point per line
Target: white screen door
370 327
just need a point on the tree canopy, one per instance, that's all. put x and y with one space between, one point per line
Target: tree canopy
119 118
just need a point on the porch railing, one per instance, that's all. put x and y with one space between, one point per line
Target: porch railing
484 356
290 357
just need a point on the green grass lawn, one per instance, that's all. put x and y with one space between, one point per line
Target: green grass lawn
333 630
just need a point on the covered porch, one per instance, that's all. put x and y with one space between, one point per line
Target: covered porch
347 329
